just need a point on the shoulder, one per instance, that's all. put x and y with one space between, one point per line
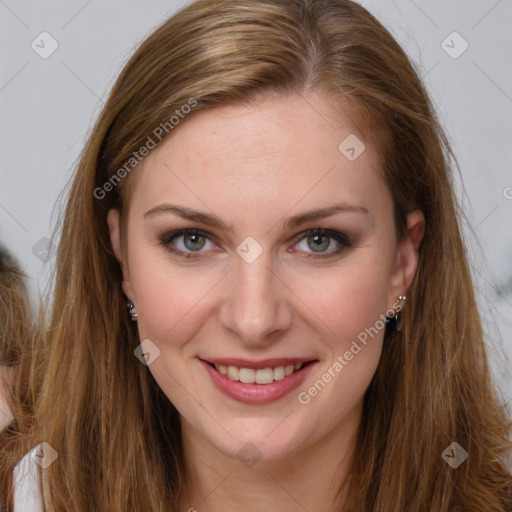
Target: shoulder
27 496
6 378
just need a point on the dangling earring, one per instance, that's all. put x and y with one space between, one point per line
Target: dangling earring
131 310
399 318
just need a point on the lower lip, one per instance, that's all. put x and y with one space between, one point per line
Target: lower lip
258 393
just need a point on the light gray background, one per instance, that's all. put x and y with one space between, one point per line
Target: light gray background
48 106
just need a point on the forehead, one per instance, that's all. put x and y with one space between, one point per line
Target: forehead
271 154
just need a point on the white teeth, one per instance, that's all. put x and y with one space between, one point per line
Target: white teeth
260 376
279 373
233 372
264 376
247 375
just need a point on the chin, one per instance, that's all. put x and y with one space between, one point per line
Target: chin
255 440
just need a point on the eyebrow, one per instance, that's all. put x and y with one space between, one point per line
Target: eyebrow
214 221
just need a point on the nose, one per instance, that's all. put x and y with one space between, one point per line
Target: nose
257 308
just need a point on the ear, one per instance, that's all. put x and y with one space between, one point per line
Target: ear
113 218
407 254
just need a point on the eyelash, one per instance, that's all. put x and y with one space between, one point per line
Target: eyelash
341 238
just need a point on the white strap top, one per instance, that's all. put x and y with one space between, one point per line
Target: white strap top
26 484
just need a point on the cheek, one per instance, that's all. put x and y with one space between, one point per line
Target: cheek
345 300
173 305
339 302
351 307
170 303
348 307
173 301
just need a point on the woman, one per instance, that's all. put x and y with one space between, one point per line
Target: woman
14 310
268 192
17 337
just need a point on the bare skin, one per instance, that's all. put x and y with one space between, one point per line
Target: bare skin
254 167
6 379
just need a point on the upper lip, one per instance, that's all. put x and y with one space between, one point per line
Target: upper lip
263 363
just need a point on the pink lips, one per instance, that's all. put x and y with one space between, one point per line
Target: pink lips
258 393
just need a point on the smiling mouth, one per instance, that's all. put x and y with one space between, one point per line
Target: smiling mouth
261 375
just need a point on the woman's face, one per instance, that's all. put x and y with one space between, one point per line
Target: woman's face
248 291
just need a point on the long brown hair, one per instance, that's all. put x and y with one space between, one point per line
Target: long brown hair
17 338
116 434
